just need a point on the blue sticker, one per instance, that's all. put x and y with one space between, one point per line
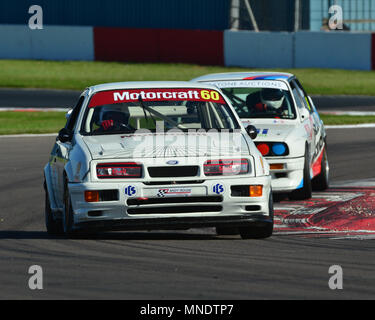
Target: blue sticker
218 188
264 131
130 190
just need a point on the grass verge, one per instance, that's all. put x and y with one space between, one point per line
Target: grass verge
12 122
77 75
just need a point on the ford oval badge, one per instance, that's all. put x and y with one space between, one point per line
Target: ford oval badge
172 162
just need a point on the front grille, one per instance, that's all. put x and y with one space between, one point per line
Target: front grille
173 172
144 201
108 195
176 209
169 182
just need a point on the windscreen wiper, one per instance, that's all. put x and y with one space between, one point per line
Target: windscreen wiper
144 109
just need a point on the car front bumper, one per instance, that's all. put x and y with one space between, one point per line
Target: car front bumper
208 203
290 177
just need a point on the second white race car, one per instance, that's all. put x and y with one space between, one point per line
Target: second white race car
291 135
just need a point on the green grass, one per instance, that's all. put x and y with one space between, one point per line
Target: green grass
344 119
77 75
31 122
51 122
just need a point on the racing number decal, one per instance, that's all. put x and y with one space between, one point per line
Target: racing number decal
210 95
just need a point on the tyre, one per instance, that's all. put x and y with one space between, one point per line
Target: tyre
306 191
53 225
259 232
321 182
67 216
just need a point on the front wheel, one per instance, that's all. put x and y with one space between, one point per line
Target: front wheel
53 225
321 182
306 191
259 232
67 217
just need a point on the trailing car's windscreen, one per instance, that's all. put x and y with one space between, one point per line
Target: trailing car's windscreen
119 111
261 102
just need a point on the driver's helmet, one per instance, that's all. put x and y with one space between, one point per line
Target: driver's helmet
116 116
273 98
110 112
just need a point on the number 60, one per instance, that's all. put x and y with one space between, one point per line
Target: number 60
210 95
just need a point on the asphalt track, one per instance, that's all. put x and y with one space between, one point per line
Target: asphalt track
194 264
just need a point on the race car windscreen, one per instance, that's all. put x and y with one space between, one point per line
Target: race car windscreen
261 102
125 111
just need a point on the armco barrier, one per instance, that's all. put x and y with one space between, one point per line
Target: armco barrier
344 50
258 50
338 50
50 43
159 45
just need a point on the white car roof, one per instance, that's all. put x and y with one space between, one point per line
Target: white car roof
242 75
148 84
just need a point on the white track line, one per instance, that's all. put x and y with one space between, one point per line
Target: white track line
28 135
349 113
354 183
351 126
21 109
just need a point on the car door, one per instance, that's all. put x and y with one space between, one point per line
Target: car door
308 122
310 106
62 150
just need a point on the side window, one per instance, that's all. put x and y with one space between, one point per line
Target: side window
297 96
303 95
70 124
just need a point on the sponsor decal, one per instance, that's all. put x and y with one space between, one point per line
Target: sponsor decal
245 122
272 84
133 95
262 132
218 188
309 130
130 190
174 192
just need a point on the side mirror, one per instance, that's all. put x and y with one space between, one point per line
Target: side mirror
65 135
252 131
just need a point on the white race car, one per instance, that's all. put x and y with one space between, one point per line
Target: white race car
156 155
291 135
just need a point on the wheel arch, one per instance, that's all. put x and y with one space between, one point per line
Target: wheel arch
48 187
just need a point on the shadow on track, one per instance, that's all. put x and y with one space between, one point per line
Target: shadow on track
14 234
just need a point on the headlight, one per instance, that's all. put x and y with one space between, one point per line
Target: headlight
118 170
226 167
